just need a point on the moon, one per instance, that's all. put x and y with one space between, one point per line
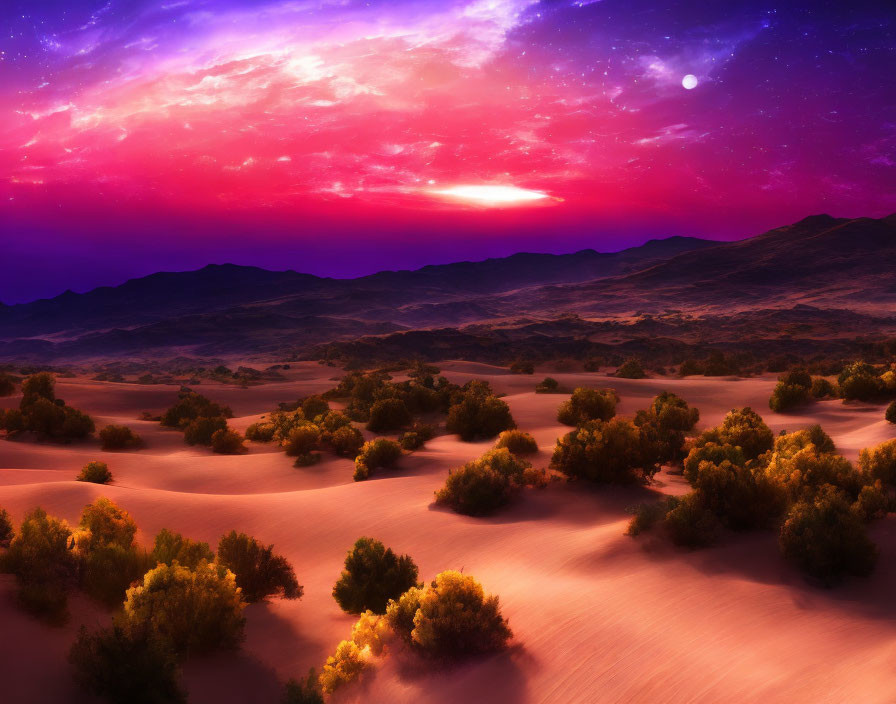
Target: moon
689 81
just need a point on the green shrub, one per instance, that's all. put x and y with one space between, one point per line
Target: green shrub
190 406
126 665
12 421
873 502
890 415
822 388
104 523
743 428
109 570
788 396
410 441
455 618
37 386
880 462
307 460
691 524
228 442
483 485
7 385
96 473
260 573
826 539
645 516
315 406
665 423
346 441
711 452
518 442
120 437
201 430
302 440
522 367
388 415
260 432
304 691
45 566
7 532
373 576
47 416
170 546
333 421
588 405
376 454
807 470
741 497
479 416
548 385
608 453
860 381
194 610
631 369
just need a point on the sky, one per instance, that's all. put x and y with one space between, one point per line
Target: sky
340 137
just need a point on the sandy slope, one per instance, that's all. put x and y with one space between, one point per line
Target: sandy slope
598 617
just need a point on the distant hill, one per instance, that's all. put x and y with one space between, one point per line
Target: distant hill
823 262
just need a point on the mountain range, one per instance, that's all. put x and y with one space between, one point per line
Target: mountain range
820 263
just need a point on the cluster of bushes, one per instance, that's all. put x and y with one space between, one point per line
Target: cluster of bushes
203 422
450 618
485 484
744 478
630 369
42 413
607 449
120 437
178 599
477 413
716 363
857 381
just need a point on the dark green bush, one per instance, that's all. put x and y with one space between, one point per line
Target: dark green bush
741 497
388 415
518 442
631 369
7 531
483 485
12 421
120 437
190 406
170 546
314 406
126 665
670 419
822 388
788 396
201 430
645 516
373 576
479 416
7 385
410 441
95 472
304 691
860 381
374 455
346 441
45 415
613 452
890 415
261 432
302 440
691 524
826 539
548 385
260 572
228 442
588 405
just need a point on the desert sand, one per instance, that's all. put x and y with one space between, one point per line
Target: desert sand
597 616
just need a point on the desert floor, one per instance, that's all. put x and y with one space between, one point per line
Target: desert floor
597 616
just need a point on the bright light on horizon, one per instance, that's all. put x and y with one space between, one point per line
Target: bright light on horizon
492 195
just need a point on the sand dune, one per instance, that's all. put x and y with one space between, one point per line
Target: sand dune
597 616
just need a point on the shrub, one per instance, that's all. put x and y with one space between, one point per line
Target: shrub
170 546
201 430
228 442
41 558
479 416
743 428
711 452
691 524
95 472
400 613
411 441
260 432
631 369
587 405
522 367
346 441
741 497
808 469
376 454
890 415
126 665
7 532
302 440
120 437
7 385
304 691
518 442
788 396
343 666
12 421
880 462
387 415
259 572
669 417
548 385
37 386
104 523
195 610
859 381
190 406
108 570
314 406
611 453
46 415
373 576
872 502
821 388
826 539
647 515
455 618
483 485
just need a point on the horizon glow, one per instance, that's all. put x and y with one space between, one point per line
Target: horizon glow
135 132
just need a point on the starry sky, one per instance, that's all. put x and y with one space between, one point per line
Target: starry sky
339 137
